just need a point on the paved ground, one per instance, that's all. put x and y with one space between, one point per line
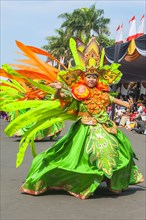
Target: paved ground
61 205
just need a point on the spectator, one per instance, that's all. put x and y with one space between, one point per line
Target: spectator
140 120
125 119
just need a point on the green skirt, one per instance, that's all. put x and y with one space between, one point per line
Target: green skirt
81 160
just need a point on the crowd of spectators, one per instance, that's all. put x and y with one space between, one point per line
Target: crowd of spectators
133 119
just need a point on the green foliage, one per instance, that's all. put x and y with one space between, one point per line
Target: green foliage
105 41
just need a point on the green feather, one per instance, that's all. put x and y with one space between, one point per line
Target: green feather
43 87
32 116
18 105
29 135
14 84
72 44
33 148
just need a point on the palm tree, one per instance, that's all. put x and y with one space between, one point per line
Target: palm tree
58 45
82 24
84 21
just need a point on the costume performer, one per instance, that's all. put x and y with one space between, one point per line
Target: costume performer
94 149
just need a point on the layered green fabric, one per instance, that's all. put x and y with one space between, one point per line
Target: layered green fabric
81 160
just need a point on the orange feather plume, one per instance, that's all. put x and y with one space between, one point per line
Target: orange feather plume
47 69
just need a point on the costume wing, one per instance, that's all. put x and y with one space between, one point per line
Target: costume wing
110 74
42 114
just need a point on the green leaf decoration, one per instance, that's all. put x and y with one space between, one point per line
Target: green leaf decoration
115 94
72 45
102 58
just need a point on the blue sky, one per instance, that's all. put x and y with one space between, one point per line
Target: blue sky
32 21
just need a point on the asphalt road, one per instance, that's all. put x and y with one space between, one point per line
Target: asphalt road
60 205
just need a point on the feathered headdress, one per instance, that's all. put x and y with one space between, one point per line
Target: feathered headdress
89 59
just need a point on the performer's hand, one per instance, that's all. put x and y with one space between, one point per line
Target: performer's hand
130 101
56 85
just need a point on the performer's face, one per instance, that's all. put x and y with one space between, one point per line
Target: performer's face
91 80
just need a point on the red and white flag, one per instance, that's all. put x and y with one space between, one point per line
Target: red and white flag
132 31
119 37
141 27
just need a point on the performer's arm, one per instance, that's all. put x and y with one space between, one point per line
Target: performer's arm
124 103
58 86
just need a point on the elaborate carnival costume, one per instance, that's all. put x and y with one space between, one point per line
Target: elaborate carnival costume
94 149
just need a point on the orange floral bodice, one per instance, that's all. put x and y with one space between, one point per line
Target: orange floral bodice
93 104
97 101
